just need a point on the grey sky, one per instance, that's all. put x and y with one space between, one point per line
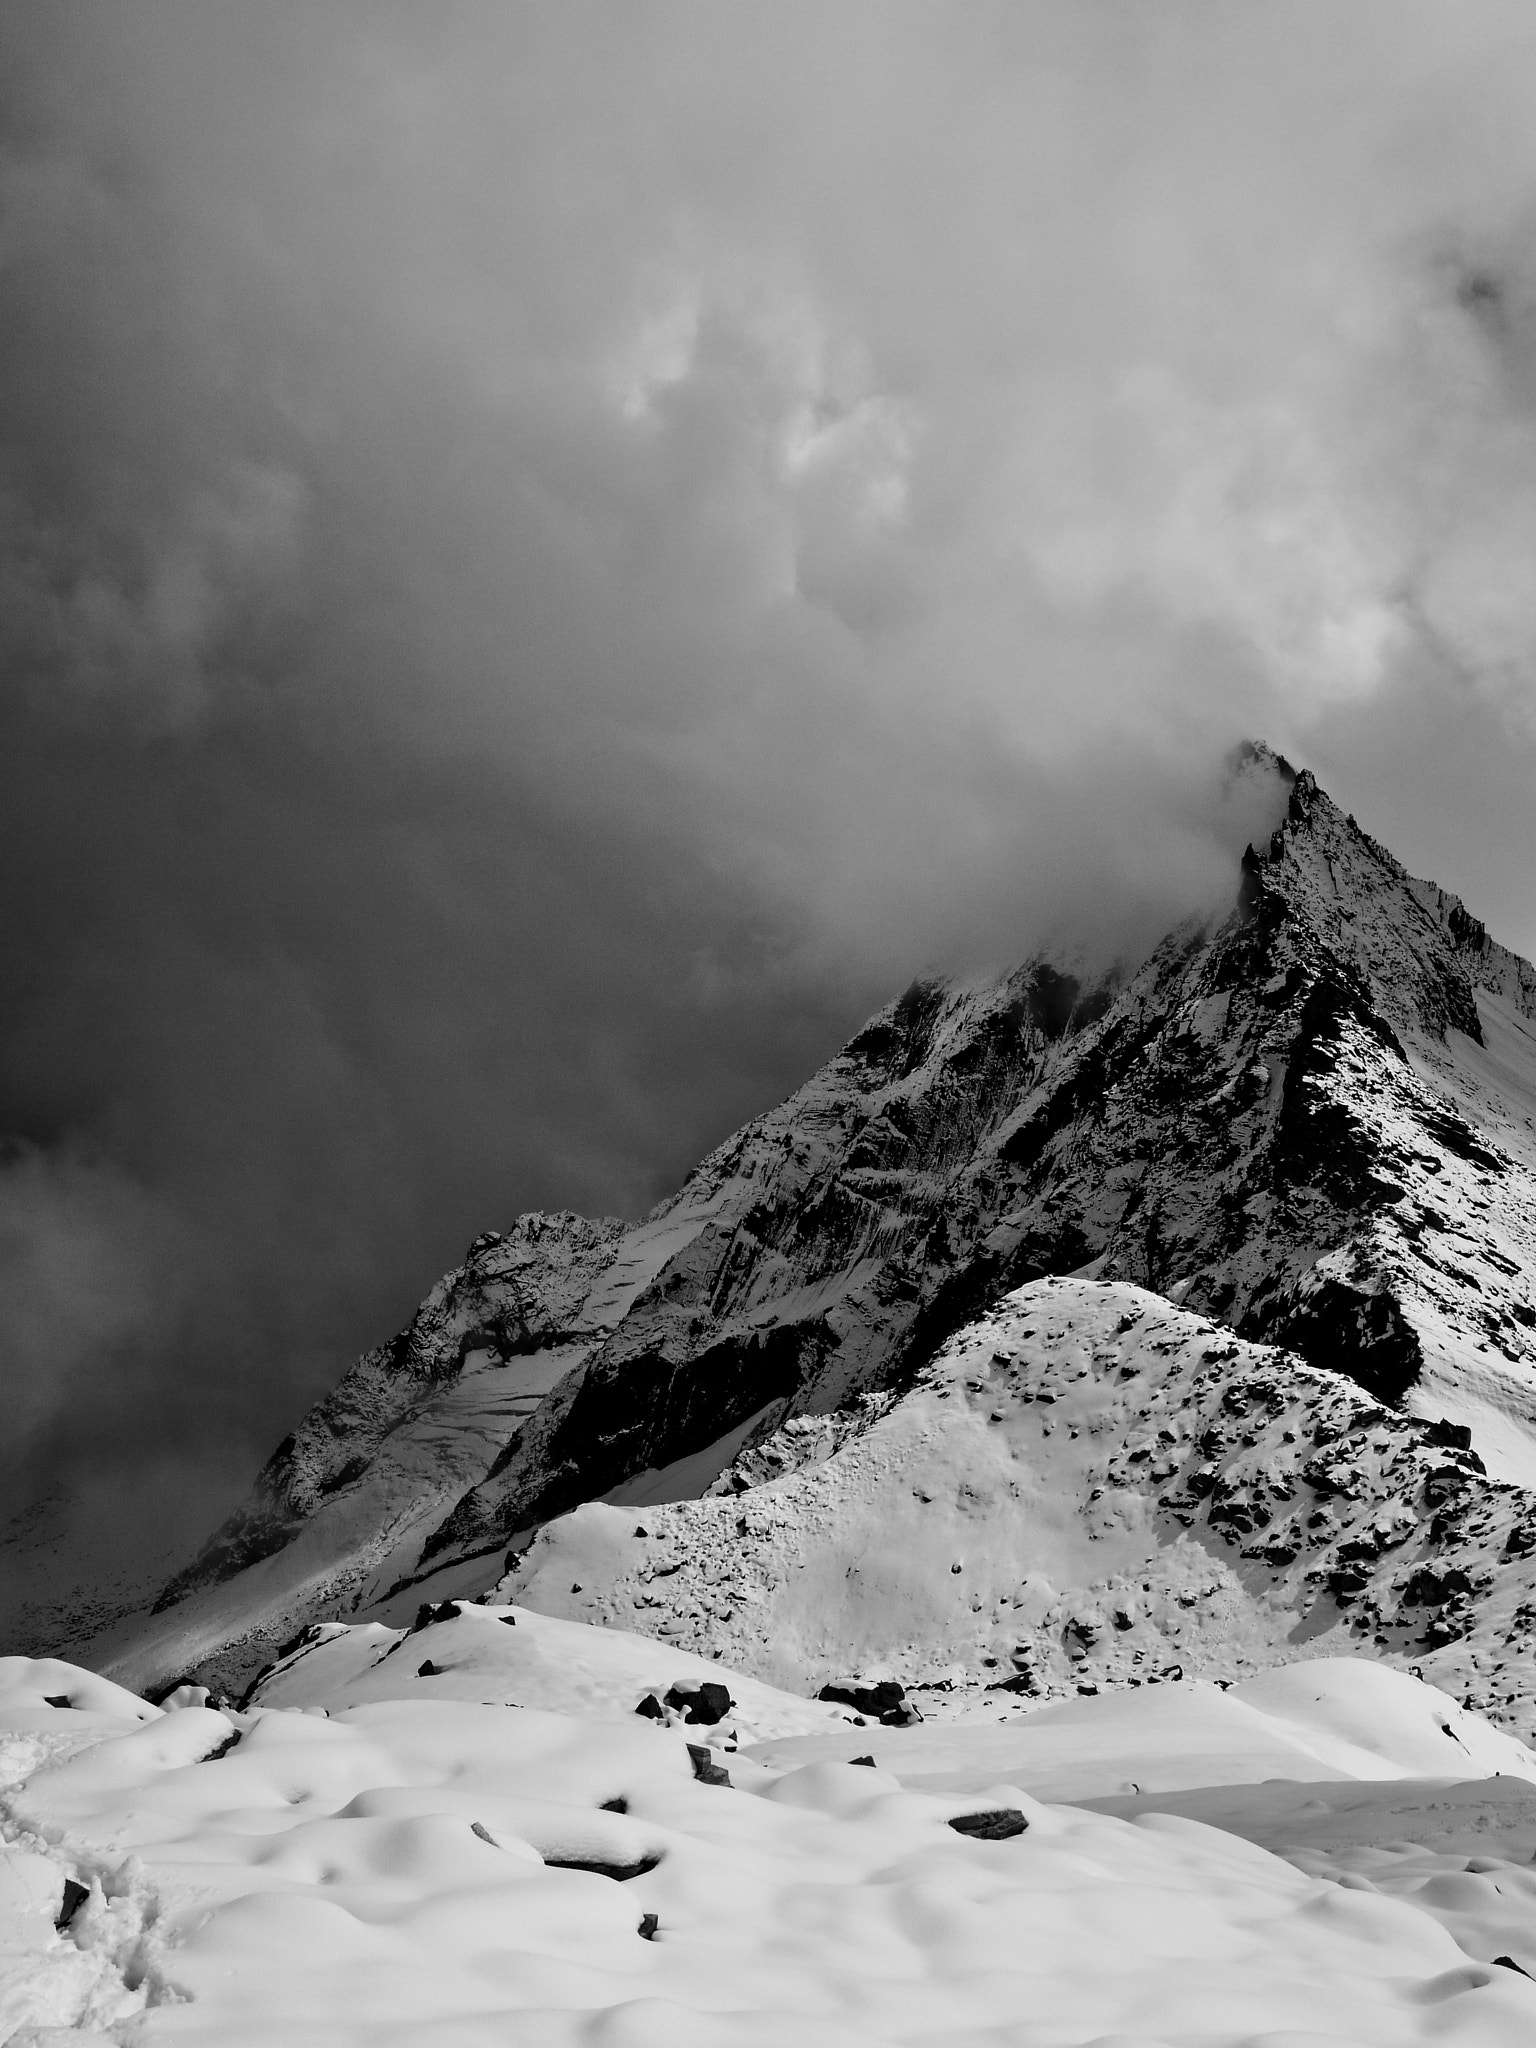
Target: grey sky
550 557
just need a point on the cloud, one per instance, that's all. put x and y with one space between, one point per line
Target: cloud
78 1244
550 559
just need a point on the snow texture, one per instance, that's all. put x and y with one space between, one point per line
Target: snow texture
430 1870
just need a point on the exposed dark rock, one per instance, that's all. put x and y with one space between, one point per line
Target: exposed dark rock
1428 1588
705 1769
704 1705
619 1872
75 1896
430 1613
885 1701
1364 1335
1448 1436
996 1824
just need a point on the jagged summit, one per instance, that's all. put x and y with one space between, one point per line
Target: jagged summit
1313 1120
1259 757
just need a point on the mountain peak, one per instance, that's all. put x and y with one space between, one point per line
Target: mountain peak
1258 756
1339 895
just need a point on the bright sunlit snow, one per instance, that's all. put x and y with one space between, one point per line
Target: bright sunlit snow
390 1871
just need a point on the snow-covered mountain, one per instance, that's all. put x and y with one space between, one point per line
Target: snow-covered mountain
938 1576
1314 1122
1089 1488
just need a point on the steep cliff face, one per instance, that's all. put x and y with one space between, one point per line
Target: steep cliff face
1314 1122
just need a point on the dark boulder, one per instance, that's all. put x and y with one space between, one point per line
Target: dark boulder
75 1896
1428 1588
996 1824
885 1702
703 1705
434 1611
705 1769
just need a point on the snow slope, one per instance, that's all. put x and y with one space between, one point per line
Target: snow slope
498 1655
429 1870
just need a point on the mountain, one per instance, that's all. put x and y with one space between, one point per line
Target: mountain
1088 1489
1314 1121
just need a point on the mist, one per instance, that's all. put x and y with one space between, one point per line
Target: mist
552 558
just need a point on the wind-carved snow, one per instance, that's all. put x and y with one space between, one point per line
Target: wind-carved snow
432 1869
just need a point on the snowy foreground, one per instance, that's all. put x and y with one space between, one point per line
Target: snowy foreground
373 1854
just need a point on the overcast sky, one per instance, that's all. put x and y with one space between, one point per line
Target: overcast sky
552 556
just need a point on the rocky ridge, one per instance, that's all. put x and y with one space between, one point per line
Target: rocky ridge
1315 1121
1088 1487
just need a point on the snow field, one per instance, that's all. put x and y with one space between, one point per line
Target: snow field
539 1661
390 1873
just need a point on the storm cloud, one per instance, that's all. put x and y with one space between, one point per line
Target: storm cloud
551 558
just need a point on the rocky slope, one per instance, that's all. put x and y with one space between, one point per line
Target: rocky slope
1315 1121
1089 1487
